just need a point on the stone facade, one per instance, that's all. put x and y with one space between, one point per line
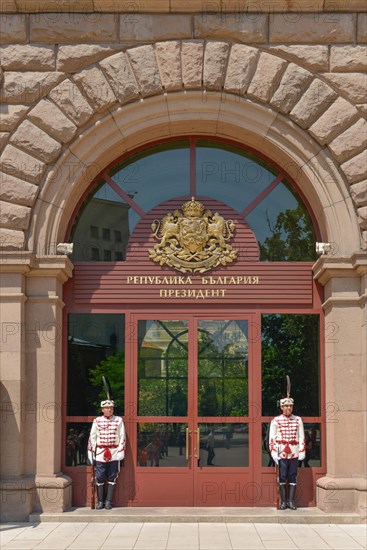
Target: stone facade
290 82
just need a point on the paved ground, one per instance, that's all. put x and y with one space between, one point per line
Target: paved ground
182 536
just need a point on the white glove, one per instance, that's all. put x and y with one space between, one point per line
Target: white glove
91 457
301 456
274 456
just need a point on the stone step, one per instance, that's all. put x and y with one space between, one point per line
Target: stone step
196 515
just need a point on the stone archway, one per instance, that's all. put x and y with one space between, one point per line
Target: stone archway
174 88
74 126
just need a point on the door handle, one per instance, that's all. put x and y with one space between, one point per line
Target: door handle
188 433
197 447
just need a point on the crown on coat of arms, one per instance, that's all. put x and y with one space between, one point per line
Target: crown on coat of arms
193 209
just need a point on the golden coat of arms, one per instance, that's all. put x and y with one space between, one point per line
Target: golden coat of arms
193 240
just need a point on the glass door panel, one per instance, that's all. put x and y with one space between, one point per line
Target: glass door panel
224 445
162 368
222 368
162 444
221 423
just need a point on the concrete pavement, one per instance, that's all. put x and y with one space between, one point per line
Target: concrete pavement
181 536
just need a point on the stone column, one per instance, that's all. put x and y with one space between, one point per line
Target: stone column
31 357
15 486
343 489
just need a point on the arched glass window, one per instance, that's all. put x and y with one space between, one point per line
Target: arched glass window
259 192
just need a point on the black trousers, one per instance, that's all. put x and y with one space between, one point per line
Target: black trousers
288 470
107 471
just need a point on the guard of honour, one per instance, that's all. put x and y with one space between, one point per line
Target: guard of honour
106 448
287 447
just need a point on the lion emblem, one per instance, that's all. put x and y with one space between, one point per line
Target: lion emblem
194 240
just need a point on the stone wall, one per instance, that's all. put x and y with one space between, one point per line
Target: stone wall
67 67
294 70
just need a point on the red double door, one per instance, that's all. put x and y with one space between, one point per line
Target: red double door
193 413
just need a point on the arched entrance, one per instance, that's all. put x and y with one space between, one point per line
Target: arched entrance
55 149
196 358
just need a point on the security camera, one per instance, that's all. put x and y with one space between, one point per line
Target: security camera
323 248
65 248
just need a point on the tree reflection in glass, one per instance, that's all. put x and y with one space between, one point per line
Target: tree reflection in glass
162 368
290 346
222 368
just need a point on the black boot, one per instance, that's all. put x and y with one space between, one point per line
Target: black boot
109 496
283 502
100 491
292 492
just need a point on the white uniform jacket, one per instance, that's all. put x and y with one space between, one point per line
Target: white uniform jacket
107 439
287 437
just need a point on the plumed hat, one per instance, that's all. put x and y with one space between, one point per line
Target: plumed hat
286 401
107 403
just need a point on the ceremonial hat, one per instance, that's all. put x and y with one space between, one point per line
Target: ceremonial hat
286 401
107 403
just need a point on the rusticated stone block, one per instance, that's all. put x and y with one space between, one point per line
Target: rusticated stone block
339 116
291 87
356 168
313 57
349 5
362 28
36 142
14 216
352 85
241 65
350 142
49 117
192 59
17 57
71 101
10 239
317 98
305 28
13 28
72 57
18 191
267 77
131 9
19 164
8 6
215 61
231 27
145 67
348 58
96 88
72 27
169 64
45 7
140 27
193 6
358 192
28 87
120 77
